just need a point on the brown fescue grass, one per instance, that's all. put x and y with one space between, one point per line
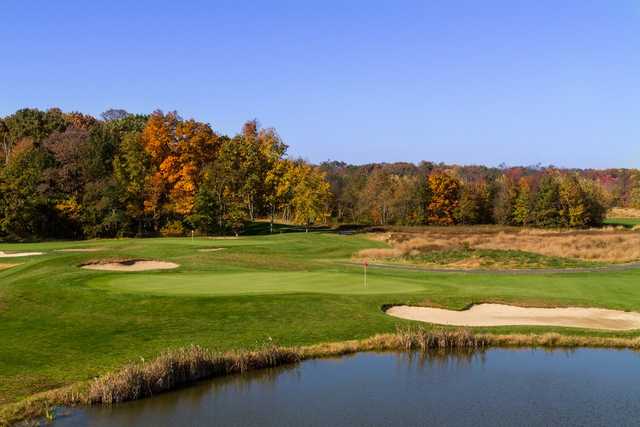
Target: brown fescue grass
604 245
178 368
623 213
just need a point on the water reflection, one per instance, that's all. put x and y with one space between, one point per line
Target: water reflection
486 388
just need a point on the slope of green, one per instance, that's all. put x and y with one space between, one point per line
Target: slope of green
60 323
626 222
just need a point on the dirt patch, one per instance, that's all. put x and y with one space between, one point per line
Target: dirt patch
508 315
19 254
130 265
80 250
6 266
211 249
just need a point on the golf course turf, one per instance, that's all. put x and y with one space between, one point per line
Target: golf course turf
60 324
625 222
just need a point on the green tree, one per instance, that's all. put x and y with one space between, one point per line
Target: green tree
25 206
473 207
131 169
547 208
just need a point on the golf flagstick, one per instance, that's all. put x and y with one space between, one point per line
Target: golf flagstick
365 264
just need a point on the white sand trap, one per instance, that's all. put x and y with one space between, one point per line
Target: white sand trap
80 250
19 254
132 265
508 315
211 249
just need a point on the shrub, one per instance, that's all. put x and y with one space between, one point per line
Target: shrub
173 229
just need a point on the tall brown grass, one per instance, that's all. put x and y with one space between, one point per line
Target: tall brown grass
623 213
609 245
177 368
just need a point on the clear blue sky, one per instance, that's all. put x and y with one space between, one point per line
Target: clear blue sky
484 82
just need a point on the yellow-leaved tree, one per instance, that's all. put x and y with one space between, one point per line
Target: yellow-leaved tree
310 194
445 193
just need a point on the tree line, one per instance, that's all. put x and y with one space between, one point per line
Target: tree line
71 175
428 193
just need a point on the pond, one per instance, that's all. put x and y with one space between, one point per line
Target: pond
585 387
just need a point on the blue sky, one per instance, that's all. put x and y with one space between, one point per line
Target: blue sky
471 82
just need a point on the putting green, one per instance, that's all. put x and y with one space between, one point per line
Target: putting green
252 283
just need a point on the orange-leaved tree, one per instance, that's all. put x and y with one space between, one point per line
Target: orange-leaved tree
444 190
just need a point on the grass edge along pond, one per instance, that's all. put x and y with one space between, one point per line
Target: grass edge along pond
180 367
61 325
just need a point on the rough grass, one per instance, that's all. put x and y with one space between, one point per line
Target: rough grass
489 259
608 245
623 213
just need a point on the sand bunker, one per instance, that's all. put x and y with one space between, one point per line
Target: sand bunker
211 249
5 266
19 254
508 315
80 250
130 265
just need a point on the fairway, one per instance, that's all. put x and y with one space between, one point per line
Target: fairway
625 222
60 323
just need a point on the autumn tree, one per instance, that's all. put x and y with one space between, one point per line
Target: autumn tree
546 206
594 202
474 204
444 191
522 205
406 201
504 200
310 195
5 142
377 196
572 202
634 199
273 168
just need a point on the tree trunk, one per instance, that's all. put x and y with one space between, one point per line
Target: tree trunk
273 213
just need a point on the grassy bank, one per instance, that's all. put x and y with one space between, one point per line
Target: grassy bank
626 222
181 367
62 325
